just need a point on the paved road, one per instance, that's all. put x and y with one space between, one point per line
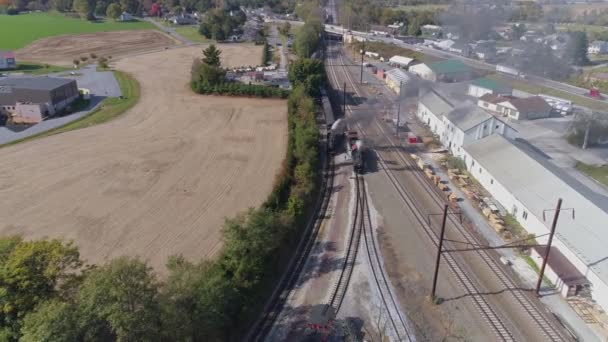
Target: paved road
170 31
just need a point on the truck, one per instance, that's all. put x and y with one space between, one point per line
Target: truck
354 147
505 69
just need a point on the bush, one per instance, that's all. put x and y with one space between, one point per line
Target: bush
12 11
84 58
456 163
93 55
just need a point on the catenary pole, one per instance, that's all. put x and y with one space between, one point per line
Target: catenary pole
445 215
548 249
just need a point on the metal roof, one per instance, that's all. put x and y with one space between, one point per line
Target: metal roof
564 269
449 66
398 75
436 103
7 54
36 83
401 60
537 184
467 116
490 84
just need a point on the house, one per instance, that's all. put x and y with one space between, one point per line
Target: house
482 86
484 49
126 17
490 101
183 19
529 108
458 123
431 31
598 47
527 184
451 70
398 80
7 60
400 61
24 96
445 44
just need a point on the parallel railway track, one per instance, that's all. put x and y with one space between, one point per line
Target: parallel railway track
491 317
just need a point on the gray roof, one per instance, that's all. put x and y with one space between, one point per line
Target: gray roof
398 75
538 185
36 83
468 116
436 103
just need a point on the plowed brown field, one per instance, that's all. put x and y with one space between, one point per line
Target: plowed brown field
62 50
155 182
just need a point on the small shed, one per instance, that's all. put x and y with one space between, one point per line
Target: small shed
398 80
400 61
568 280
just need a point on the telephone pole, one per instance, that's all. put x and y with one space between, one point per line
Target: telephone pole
398 109
438 259
344 101
362 54
548 249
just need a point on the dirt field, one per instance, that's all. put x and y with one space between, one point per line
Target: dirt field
62 50
157 181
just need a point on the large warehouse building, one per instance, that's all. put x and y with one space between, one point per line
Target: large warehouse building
31 99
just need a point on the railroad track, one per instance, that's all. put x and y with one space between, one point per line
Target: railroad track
362 225
273 308
532 310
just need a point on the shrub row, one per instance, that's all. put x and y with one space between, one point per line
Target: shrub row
240 89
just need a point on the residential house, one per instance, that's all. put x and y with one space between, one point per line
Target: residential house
400 61
445 44
490 101
451 70
183 19
598 47
7 60
484 49
399 81
431 31
529 108
482 86
527 184
126 17
458 123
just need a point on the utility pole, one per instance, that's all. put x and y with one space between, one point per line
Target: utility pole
548 249
362 54
398 108
445 216
344 101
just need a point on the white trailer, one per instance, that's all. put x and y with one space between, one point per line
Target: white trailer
505 69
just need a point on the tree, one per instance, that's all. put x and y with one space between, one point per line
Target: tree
285 28
308 38
309 73
52 321
82 7
207 75
212 56
120 300
413 28
31 272
101 7
576 49
61 5
113 11
130 6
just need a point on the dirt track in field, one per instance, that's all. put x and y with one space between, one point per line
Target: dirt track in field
62 50
155 182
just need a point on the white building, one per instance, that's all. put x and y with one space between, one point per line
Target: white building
450 70
490 102
7 60
598 47
126 17
528 185
529 108
482 86
400 61
458 125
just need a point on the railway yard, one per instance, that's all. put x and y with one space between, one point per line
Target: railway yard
365 264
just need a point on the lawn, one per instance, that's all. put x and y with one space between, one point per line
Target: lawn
534 89
109 109
20 30
599 173
32 68
191 33
419 8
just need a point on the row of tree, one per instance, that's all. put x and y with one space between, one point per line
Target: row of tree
219 24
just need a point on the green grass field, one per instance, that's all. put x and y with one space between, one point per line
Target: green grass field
419 8
108 110
32 68
599 173
19 30
191 33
